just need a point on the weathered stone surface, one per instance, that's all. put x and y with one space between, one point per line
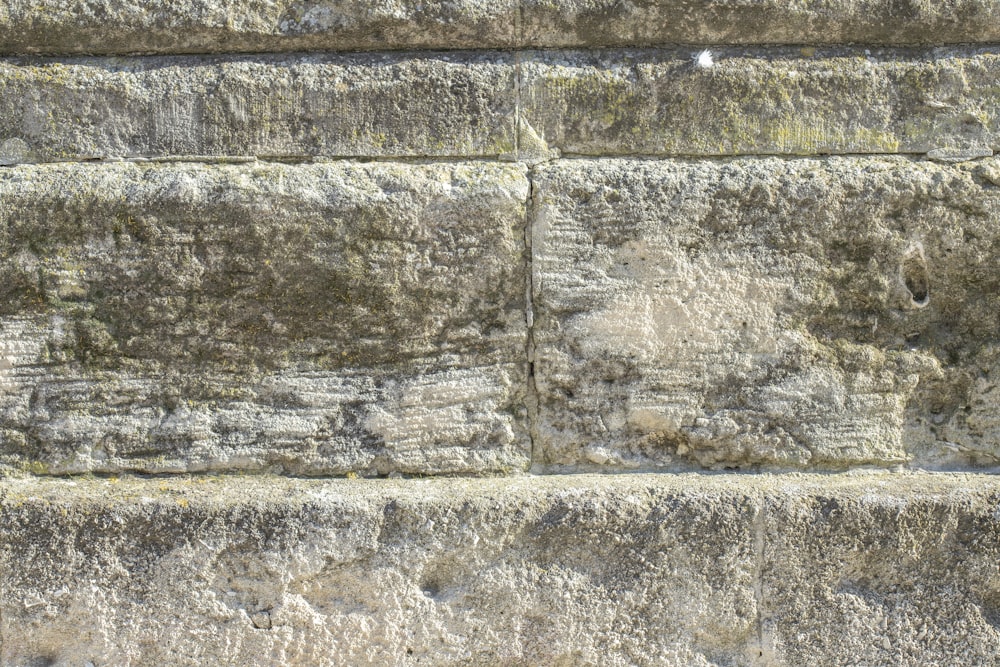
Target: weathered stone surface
314 318
767 311
199 26
259 571
571 570
212 26
293 106
882 571
761 102
461 104
571 23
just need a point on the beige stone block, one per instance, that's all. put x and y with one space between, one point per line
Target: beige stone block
316 319
583 570
257 26
577 23
254 26
297 106
762 101
766 311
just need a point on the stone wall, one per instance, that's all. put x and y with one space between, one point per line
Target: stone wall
690 309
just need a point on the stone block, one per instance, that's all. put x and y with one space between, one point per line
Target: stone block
258 571
578 23
763 101
64 27
316 319
302 106
255 26
566 570
881 571
766 311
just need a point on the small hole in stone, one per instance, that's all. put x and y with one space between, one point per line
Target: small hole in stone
915 278
431 589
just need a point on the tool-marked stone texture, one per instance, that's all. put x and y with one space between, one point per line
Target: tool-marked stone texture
566 570
313 318
764 101
882 572
266 106
785 312
257 26
570 23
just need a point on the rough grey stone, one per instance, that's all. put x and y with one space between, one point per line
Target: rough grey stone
571 23
785 312
878 572
318 318
778 101
202 26
576 570
461 104
212 26
287 107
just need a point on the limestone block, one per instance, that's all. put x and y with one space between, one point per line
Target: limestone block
255 571
283 107
565 570
877 572
256 26
316 319
571 23
775 101
766 311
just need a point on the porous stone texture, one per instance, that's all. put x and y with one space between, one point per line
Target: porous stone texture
625 570
212 26
200 26
777 101
881 571
785 312
648 102
570 23
255 254
279 106
316 319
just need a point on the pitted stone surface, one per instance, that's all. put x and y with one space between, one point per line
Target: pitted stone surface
766 311
648 102
203 26
764 101
566 570
317 318
261 571
212 26
267 106
882 573
572 23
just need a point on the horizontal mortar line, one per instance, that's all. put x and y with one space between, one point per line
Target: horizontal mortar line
538 471
980 48
417 160
270 159
913 155
518 48
554 470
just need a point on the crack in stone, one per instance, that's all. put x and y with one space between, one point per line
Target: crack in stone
765 646
531 395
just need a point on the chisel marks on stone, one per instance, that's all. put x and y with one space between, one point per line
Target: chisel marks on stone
317 318
765 312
